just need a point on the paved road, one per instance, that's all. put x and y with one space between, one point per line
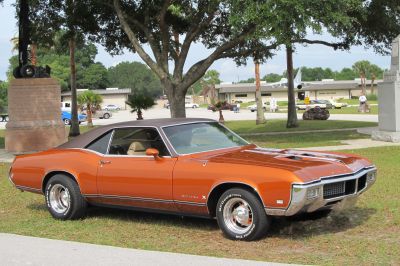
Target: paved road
244 114
23 250
228 115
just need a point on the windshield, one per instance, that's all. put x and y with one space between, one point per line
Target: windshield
200 137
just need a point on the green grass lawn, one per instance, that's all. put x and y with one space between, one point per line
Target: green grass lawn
355 101
367 234
249 126
354 110
302 140
349 110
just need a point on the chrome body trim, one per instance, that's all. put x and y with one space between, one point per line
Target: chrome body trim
10 176
31 189
115 155
58 170
326 178
231 182
300 203
142 199
160 133
109 141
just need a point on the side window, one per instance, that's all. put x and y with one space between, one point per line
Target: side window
100 144
135 141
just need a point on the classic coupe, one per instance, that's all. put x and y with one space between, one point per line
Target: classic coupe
194 167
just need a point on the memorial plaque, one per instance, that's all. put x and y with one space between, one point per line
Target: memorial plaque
35 115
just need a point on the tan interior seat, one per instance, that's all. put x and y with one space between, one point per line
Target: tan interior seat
138 148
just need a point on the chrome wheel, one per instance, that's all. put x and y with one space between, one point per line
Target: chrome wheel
238 215
60 199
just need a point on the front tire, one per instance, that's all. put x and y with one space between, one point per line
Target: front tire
241 215
64 199
106 116
67 122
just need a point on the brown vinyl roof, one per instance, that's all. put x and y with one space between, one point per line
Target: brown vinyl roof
86 138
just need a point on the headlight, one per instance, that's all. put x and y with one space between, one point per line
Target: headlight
298 194
371 176
313 192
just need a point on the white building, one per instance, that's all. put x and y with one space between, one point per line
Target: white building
110 96
323 90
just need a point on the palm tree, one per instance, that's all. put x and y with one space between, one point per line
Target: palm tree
91 100
219 106
139 101
260 110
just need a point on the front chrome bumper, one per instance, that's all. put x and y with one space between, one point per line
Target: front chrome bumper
313 196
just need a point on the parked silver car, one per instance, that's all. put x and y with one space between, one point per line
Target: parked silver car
101 114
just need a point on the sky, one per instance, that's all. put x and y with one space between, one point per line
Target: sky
310 56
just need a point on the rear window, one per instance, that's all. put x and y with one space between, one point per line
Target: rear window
100 144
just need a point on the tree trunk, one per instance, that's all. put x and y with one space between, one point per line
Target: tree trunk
363 108
33 54
292 113
260 110
372 83
89 115
176 100
176 39
74 130
140 115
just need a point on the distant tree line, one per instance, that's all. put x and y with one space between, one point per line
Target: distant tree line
319 73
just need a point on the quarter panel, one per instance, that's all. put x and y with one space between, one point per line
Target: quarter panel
30 170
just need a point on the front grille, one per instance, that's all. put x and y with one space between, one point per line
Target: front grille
334 190
343 188
362 182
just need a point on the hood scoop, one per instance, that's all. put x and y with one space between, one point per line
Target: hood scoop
298 155
292 157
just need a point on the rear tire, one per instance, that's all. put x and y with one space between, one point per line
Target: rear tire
64 199
241 215
106 116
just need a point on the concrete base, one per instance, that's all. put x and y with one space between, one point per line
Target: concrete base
34 115
388 136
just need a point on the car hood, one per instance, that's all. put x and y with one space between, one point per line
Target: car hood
306 165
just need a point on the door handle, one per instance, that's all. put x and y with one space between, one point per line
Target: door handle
104 162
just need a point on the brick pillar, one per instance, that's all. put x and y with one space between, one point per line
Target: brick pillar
34 109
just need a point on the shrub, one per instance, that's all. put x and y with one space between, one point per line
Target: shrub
372 97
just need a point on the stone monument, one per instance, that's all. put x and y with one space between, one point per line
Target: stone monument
389 100
34 111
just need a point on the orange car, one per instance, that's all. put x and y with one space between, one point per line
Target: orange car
190 167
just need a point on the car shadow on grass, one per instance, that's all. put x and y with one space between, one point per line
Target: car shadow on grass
153 218
295 227
304 225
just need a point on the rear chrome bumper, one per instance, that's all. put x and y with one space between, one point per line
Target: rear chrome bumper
320 194
10 176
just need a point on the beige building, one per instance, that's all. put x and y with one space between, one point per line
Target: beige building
110 96
323 90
